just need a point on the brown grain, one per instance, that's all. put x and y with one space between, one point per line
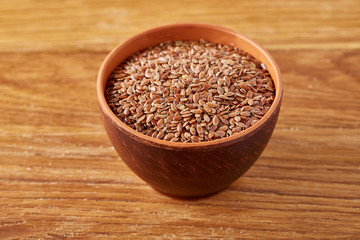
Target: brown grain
190 91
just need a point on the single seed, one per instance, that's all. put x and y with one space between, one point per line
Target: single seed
195 139
220 81
150 117
227 81
181 107
220 134
169 136
179 127
220 90
160 135
150 133
215 120
232 114
213 128
238 129
199 129
211 104
224 121
223 128
160 122
139 111
245 113
253 122
141 119
187 135
207 108
177 118
174 139
240 124
192 130
196 97
206 118
169 118
197 111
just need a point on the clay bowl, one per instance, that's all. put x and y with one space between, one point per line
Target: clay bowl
188 169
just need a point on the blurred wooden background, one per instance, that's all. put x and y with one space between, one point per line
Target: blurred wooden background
60 178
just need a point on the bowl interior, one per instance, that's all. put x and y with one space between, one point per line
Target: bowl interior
189 31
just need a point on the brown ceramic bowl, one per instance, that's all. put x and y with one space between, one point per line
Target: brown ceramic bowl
188 169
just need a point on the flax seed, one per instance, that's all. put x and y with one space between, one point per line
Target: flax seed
169 136
179 127
220 134
207 108
160 135
188 91
150 117
215 120
199 129
193 131
195 139
206 118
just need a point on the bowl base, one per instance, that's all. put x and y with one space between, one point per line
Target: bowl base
190 196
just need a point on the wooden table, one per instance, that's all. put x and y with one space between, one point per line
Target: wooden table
60 177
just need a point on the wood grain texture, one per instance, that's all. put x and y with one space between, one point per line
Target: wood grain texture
60 178
33 25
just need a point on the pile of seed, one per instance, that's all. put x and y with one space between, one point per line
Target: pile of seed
190 91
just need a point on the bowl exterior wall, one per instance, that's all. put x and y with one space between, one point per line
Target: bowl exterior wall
190 172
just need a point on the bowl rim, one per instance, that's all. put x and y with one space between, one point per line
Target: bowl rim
100 88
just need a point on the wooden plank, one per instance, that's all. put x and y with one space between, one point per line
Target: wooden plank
34 25
61 178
